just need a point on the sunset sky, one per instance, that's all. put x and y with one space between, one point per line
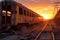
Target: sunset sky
42 7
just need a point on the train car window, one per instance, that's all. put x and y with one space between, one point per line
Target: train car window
30 14
3 9
20 11
3 6
27 13
8 10
8 7
24 12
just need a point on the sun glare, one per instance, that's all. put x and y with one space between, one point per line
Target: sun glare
47 16
47 13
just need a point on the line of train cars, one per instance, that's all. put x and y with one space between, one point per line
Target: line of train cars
15 13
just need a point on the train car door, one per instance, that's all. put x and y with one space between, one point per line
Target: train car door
6 13
6 17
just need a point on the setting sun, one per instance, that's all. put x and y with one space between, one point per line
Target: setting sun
47 16
47 13
41 7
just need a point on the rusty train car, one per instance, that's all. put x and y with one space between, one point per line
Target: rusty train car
14 13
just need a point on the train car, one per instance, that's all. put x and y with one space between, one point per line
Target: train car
15 13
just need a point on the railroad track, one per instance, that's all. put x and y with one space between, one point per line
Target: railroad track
43 34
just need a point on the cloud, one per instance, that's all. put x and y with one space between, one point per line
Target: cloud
0 0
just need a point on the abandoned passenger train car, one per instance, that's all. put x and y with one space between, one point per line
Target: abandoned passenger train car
13 13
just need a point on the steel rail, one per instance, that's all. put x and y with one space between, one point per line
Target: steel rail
41 31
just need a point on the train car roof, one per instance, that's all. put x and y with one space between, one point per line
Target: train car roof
27 9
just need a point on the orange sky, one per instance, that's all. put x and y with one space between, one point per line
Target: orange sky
42 7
